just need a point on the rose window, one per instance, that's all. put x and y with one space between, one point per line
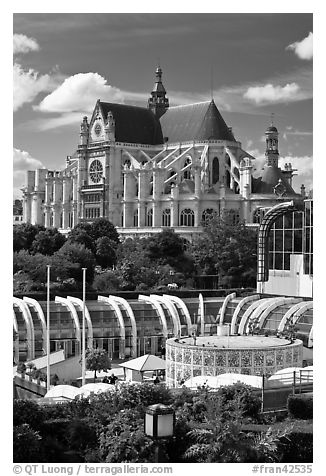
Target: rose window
96 171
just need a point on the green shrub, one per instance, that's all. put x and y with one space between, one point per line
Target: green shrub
296 448
300 406
26 444
27 412
242 395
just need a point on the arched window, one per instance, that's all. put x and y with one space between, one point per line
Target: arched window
136 217
227 178
187 217
149 217
187 173
236 173
207 214
215 171
166 217
127 162
121 221
232 216
227 160
236 187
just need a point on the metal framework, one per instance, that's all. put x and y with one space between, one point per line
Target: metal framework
263 235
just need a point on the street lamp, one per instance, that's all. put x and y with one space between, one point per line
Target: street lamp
159 423
84 331
103 211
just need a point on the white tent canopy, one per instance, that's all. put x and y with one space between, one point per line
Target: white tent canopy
222 380
145 363
286 376
99 387
62 391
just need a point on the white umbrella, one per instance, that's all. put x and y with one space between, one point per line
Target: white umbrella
62 391
230 379
96 388
201 380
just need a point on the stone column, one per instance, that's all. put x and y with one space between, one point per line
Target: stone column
175 206
74 200
65 202
128 188
56 215
36 209
197 170
27 208
142 196
196 211
157 193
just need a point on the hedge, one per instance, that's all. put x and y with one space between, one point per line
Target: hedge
300 406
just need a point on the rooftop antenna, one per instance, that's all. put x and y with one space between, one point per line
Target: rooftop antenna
272 118
212 81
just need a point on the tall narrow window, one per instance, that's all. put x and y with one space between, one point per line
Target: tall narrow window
215 171
166 217
149 217
187 217
136 217
187 173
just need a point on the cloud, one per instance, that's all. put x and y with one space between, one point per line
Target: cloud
304 48
22 161
273 94
28 84
23 44
79 93
304 166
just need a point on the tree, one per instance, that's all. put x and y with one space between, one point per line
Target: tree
165 245
107 281
123 439
103 227
97 360
48 242
34 266
87 234
69 261
226 249
24 235
105 252
80 235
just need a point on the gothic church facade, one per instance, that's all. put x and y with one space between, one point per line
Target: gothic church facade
147 168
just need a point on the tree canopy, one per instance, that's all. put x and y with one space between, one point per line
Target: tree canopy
229 250
97 360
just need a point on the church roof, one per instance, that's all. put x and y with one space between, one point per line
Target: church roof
270 177
137 125
200 121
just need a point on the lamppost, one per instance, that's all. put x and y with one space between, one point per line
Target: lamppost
103 211
159 423
84 331
48 330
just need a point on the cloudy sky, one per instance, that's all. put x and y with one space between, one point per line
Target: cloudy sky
256 64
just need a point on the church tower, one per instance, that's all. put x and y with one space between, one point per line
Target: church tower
158 103
271 152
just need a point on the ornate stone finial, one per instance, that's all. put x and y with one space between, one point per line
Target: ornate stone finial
279 188
303 190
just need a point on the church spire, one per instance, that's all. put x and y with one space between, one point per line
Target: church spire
271 152
158 102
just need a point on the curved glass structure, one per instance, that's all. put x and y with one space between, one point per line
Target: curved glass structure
133 327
